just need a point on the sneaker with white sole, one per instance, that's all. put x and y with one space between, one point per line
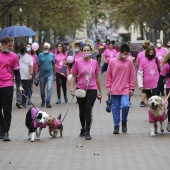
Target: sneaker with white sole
142 104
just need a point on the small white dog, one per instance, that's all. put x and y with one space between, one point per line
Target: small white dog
35 120
156 112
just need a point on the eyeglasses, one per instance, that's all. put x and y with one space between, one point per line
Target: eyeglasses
86 50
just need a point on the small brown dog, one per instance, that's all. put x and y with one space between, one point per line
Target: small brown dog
55 125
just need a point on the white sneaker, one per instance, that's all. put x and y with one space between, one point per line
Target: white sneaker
168 126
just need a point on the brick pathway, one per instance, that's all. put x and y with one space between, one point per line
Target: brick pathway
135 150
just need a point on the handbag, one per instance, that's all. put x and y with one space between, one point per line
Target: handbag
65 71
80 93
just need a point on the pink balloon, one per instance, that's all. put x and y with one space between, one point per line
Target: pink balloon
35 46
70 59
69 78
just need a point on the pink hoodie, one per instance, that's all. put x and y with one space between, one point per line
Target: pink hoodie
121 76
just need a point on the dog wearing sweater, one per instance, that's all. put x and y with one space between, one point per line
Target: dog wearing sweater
54 125
156 112
35 120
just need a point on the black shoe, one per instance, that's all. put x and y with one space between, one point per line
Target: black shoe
42 104
82 132
18 104
48 105
142 104
116 130
6 137
87 136
124 127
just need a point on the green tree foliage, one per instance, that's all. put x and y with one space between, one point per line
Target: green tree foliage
51 16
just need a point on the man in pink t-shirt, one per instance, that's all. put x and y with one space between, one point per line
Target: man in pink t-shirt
8 66
120 83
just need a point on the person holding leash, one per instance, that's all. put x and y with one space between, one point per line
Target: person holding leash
87 72
9 66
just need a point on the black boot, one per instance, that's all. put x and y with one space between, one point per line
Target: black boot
48 105
82 132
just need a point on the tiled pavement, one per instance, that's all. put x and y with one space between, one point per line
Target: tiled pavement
135 150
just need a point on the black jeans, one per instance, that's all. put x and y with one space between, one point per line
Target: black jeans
85 109
61 81
6 97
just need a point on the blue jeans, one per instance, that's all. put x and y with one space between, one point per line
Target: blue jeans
43 81
120 102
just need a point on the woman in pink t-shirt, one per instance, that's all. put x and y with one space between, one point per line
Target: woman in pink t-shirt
60 60
87 72
165 73
139 58
107 56
148 73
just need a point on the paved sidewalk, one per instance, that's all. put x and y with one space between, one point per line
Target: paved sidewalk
135 150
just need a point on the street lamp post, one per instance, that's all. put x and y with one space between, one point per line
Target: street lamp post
20 16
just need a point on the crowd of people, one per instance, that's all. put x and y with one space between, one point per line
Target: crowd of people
152 64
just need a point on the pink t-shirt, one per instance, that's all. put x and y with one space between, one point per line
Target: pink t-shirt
150 73
77 56
121 76
86 71
109 54
140 57
164 71
8 63
59 61
161 52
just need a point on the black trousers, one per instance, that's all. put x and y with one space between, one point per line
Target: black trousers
61 82
6 97
85 109
149 92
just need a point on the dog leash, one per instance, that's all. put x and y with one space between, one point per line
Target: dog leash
67 109
166 98
23 93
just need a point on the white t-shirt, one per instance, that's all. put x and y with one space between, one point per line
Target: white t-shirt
25 62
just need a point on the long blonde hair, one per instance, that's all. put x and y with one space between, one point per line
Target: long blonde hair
165 59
